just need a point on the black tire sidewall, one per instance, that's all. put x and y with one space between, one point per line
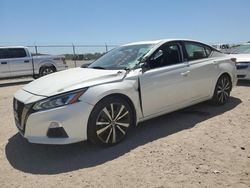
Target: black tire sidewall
91 128
215 98
43 68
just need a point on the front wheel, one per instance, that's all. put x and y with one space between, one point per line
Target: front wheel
222 90
110 121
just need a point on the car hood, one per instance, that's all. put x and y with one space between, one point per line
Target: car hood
241 57
72 79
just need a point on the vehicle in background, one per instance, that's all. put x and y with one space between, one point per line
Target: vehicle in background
225 48
127 85
242 55
18 61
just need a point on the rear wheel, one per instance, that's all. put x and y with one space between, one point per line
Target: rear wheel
46 70
222 90
35 76
110 121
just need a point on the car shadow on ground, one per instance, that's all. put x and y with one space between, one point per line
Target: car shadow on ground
52 159
243 83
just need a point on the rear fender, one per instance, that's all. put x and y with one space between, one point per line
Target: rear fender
45 63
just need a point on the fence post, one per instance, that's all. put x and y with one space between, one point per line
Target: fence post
36 49
106 47
74 52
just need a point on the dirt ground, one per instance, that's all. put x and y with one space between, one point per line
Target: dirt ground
200 146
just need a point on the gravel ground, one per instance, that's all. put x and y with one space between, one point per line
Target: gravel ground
200 146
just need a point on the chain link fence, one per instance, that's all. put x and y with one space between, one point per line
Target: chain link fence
75 55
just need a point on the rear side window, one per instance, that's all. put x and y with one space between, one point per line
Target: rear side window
4 54
17 52
196 51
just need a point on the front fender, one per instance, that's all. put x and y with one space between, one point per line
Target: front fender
44 63
128 88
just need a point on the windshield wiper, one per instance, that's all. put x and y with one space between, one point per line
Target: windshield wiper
97 67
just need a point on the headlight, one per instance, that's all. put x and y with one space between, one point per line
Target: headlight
59 100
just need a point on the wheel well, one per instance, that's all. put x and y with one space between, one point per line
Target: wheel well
226 74
223 74
128 100
48 65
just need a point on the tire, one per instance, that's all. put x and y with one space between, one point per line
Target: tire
35 76
222 90
109 127
46 70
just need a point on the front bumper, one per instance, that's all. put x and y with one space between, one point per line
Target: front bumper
34 126
243 71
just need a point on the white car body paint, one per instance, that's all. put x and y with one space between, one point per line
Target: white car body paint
162 90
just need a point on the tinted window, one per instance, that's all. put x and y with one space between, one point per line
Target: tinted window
196 51
4 53
17 52
167 55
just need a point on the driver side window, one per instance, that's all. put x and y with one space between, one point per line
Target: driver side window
167 55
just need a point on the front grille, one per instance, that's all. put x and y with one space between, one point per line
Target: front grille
21 112
18 111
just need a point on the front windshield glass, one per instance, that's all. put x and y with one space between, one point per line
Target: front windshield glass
243 49
124 57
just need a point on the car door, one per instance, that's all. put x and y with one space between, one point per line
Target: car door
203 71
21 63
164 86
4 64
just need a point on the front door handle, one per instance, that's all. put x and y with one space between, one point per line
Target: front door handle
3 63
26 61
185 73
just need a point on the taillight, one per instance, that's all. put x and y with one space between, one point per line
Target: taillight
234 60
64 61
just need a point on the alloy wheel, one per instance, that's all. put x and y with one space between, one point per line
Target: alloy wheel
47 71
223 89
112 123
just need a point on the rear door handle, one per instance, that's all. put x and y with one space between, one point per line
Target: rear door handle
26 61
3 63
185 73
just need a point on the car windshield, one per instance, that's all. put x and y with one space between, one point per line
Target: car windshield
124 57
243 49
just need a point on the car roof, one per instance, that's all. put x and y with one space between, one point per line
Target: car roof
161 41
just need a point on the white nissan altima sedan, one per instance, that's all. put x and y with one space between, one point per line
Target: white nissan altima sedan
127 85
